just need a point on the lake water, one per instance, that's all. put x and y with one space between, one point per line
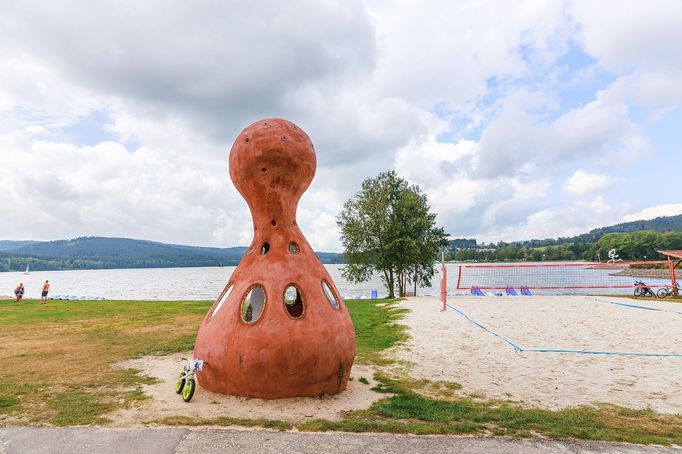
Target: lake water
206 283
150 283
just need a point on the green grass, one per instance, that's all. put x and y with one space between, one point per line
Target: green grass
6 403
62 355
75 408
376 328
29 312
406 411
224 421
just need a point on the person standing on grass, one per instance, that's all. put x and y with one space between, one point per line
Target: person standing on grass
19 291
46 288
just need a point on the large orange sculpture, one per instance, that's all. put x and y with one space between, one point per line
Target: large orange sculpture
279 328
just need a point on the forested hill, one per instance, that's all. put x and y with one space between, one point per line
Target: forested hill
8 245
637 240
661 224
98 252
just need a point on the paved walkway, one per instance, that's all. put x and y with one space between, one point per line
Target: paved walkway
206 441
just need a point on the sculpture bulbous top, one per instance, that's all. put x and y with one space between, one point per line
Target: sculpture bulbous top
272 163
279 328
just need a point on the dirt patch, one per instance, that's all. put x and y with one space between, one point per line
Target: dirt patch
165 402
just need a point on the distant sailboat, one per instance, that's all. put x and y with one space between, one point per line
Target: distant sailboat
26 272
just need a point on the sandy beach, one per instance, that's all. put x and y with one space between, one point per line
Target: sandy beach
448 346
206 404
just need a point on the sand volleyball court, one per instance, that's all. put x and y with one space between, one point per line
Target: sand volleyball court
449 346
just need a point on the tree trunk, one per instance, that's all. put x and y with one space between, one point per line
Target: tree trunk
390 284
415 283
401 283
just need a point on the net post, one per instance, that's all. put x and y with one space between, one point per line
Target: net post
673 280
459 277
443 283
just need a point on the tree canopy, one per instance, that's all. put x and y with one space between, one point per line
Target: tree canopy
637 245
387 228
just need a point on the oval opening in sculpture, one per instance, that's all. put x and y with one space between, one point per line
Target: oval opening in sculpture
293 302
265 248
293 248
221 299
253 304
331 296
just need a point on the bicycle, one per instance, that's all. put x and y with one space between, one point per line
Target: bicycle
643 290
667 291
187 383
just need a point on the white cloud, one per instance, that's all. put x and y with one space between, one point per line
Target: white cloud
639 41
518 138
375 84
624 34
67 190
566 220
582 182
467 202
671 209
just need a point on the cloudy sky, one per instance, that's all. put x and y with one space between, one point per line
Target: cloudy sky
518 119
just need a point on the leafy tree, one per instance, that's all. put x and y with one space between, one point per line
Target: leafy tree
387 228
462 243
636 245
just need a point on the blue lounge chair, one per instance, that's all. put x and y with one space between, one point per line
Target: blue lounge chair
526 291
511 292
477 291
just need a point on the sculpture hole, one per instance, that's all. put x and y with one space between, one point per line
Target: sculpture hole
221 299
293 248
265 248
331 296
284 137
253 304
293 301
246 140
274 223
263 169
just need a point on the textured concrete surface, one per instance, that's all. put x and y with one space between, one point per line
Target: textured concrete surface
15 440
206 441
307 348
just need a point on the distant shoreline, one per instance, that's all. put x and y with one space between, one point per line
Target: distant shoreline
134 268
644 273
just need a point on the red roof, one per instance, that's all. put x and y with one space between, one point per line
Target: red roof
672 253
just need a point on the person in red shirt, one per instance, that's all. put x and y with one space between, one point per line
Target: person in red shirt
46 288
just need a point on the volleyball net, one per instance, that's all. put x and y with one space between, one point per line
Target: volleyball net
563 277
